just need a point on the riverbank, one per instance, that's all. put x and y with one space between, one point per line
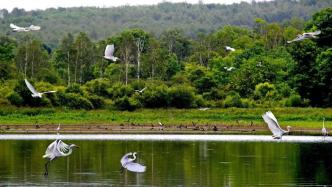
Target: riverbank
183 121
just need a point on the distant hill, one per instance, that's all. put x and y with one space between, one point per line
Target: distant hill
101 23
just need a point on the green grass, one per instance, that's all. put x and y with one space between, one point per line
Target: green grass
297 117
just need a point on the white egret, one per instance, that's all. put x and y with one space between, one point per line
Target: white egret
229 68
57 149
229 48
324 130
24 29
18 29
109 51
129 164
34 28
161 126
140 91
273 125
204 109
34 91
304 36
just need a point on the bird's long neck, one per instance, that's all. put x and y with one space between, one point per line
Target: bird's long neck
134 156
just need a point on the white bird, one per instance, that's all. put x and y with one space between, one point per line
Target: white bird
204 109
324 130
129 164
161 126
34 28
229 68
57 149
109 51
34 91
140 91
273 125
18 29
229 48
304 36
24 29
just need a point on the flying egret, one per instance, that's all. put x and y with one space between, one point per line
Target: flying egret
304 36
204 109
140 91
24 29
109 51
273 125
229 48
324 130
34 91
33 28
129 164
18 29
229 68
57 149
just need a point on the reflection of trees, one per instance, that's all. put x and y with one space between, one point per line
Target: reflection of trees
170 163
315 163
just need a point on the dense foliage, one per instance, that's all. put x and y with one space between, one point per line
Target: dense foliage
100 23
176 70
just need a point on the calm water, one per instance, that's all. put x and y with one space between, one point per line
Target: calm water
169 163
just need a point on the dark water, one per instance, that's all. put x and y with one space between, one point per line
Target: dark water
169 163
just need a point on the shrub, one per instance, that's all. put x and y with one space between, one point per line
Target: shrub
120 90
15 99
265 91
294 101
154 97
233 100
98 87
74 88
74 101
97 102
182 96
126 103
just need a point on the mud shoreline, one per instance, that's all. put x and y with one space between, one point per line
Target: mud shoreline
147 129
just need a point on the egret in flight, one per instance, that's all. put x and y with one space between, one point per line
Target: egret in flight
304 36
109 51
324 130
229 48
204 109
34 91
229 68
140 91
57 149
273 125
24 29
129 164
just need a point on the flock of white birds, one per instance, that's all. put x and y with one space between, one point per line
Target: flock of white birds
60 149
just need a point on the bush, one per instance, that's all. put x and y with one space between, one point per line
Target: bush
155 97
74 88
74 101
126 103
15 99
97 102
98 87
294 101
182 96
233 100
120 90
265 91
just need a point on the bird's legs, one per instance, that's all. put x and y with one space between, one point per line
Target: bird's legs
121 170
46 167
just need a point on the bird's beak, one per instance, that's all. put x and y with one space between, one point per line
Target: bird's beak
77 146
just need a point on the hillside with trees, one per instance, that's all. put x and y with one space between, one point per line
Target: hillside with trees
192 19
177 70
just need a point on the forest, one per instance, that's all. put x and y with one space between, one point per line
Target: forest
177 70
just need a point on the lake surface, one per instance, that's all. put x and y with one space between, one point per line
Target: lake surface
197 161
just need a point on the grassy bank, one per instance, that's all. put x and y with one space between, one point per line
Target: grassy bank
296 117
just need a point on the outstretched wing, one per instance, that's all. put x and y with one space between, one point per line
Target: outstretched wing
314 33
48 92
34 28
272 123
109 51
135 167
31 88
62 148
13 26
124 160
